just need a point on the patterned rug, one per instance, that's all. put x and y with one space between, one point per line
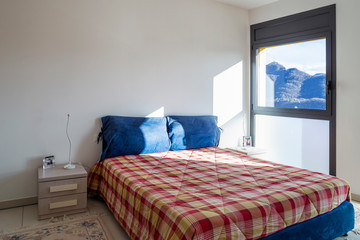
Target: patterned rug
357 213
80 229
91 227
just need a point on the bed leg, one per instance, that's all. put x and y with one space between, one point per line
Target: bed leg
345 235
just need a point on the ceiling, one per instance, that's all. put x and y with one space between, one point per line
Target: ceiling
248 4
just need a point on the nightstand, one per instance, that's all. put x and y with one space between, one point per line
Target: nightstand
248 150
61 191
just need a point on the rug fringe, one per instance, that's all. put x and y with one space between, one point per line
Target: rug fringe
356 231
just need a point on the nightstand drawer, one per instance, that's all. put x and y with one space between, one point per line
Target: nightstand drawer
62 187
61 191
62 204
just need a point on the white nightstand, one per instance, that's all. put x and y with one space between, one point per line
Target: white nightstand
61 191
248 150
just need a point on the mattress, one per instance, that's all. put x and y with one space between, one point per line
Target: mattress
211 193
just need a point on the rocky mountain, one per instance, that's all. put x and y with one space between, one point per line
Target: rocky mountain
296 89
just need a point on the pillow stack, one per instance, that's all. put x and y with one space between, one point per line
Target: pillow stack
140 135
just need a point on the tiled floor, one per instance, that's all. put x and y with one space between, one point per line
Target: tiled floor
23 217
14 219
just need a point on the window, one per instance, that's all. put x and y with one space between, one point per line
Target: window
293 89
292 75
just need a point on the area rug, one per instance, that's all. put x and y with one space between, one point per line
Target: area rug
80 229
357 213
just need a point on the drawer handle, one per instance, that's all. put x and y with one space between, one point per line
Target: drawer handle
68 203
62 188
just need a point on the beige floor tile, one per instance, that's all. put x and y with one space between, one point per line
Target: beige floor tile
30 216
98 206
351 236
10 219
114 228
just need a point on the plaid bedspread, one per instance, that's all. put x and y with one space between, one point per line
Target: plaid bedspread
211 193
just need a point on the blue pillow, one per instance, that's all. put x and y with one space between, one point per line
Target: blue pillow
189 132
133 135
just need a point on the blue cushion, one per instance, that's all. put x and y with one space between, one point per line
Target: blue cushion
133 135
189 132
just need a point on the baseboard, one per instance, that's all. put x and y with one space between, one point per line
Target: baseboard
355 197
18 202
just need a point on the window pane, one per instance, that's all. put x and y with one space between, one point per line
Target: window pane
291 141
292 75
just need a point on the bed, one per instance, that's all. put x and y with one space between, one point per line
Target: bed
215 193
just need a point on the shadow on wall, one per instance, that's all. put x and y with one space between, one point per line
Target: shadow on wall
88 148
17 179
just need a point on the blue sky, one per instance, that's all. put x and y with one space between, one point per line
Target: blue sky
309 56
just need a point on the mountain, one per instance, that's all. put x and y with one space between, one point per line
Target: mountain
297 89
314 87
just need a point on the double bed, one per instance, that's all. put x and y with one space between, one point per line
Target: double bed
215 193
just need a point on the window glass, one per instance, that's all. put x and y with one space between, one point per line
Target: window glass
292 75
291 141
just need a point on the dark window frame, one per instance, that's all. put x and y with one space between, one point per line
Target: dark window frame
296 28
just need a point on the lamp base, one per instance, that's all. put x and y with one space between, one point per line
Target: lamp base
69 166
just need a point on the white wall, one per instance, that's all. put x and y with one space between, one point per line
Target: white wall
348 80
92 58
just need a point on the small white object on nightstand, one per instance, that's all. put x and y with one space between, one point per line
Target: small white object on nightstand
248 150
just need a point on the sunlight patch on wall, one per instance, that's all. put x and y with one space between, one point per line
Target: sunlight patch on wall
157 113
228 93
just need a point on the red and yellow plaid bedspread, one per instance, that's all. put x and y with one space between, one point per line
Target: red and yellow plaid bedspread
211 193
